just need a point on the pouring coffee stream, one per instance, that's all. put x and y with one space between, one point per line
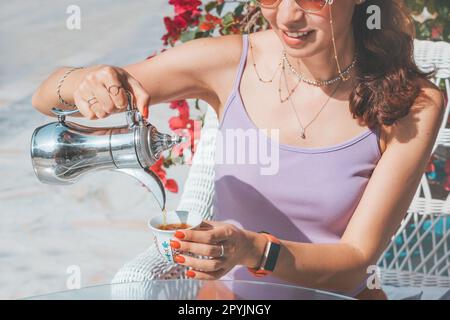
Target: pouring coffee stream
62 152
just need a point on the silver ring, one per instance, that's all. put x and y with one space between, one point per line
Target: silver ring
222 251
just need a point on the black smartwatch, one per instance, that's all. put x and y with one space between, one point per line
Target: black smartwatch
270 256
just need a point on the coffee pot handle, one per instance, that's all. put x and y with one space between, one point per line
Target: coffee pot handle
133 115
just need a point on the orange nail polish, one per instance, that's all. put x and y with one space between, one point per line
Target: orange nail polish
145 112
175 244
179 259
190 274
179 235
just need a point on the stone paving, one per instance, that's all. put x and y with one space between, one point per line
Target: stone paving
100 222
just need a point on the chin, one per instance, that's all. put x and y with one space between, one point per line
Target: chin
310 47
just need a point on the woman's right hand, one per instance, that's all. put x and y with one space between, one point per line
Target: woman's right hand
103 92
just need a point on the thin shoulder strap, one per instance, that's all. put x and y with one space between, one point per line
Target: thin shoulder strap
241 62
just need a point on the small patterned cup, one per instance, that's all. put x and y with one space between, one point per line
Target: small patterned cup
162 237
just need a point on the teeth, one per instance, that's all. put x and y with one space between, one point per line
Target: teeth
297 34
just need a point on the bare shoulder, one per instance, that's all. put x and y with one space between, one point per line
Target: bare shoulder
424 119
215 52
263 42
220 58
431 97
196 69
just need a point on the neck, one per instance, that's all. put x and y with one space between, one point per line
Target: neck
323 66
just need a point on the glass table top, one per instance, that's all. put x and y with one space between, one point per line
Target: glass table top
188 289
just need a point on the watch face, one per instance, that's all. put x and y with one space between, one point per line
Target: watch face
272 256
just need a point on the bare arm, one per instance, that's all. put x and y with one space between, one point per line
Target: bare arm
185 71
338 266
342 266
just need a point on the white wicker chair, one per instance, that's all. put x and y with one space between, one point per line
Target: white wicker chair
400 265
419 253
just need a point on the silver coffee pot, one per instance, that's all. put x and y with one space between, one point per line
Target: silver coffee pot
62 152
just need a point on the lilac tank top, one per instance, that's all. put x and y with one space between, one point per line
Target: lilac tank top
309 197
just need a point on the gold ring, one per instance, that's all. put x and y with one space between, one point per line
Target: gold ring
89 101
114 86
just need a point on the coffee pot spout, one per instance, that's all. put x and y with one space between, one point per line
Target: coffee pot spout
151 181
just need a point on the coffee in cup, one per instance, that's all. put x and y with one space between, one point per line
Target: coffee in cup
164 229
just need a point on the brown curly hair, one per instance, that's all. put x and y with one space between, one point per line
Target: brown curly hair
387 74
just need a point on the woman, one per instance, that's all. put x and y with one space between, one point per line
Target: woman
350 105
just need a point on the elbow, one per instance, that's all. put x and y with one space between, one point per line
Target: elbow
42 99
38 103
344 281
358 272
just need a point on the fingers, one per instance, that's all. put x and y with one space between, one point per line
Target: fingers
88 103
211 236
141 96
83 105
97 82
101 103
200 275
117 94
103 92
198 248
113 84
206 265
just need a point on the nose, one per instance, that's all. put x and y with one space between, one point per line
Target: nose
290 14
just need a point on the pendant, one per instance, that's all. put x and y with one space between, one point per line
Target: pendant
303 134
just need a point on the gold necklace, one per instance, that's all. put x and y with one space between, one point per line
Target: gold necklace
303 128
321 83
256 70
344 78
290 91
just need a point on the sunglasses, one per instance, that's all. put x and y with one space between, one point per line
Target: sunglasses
305 5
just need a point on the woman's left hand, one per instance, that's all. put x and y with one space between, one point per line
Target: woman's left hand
208 240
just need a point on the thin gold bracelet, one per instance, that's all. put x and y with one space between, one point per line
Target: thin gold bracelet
60 82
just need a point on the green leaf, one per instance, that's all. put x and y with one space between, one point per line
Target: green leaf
197 106
238 10
210 5
202 34
227 19
187 35
220 8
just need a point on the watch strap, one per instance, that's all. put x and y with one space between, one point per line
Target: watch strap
269 258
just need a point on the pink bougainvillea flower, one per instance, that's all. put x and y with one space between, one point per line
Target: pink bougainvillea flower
171 185
173 33
436 32
210 22
193 132
157 168
185 127
182 6
187 12
447 184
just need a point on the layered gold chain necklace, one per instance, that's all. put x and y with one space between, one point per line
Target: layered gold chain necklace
303 128
343 75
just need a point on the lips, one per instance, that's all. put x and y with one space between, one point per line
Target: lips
296 34
297 37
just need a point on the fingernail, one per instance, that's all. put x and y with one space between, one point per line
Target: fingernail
175 244
145 112
179 259
179 235
190 274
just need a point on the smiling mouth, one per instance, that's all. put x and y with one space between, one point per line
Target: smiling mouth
298 35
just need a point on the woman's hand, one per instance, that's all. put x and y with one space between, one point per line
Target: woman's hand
102 92
208 241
